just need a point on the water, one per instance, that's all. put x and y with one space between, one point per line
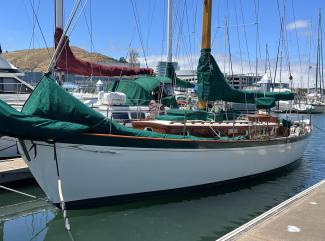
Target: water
201 216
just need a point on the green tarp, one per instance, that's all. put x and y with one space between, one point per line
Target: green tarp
212 84
170 73
181 115
52 113
139 91
16 124
265 102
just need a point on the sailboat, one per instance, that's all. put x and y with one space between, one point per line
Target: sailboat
317 99
15 91
82 158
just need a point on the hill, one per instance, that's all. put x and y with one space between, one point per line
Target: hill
38 59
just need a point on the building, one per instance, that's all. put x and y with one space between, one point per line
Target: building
240 81
162 66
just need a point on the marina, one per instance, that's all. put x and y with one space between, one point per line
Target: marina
207 214
204 142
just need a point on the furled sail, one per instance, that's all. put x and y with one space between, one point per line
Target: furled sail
68 63
212 85
170 73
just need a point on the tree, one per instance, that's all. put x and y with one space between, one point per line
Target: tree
122 60
133 57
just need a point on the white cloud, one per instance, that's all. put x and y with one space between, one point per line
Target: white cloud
299 73
299 24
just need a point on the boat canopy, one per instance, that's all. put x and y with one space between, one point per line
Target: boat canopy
139 91
51 113
68 63
213 86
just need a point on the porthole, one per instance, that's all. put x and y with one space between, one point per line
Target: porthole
148 129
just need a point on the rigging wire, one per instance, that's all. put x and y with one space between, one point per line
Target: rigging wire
258 46
297 40
194 25
322 60
189 40
230 58
150 21
309 52
278 52
318 55
135 13
239 44
67 34
286 46
40 28
74 11
180 22
163 32
245 35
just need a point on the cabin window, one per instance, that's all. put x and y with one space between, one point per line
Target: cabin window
120 116
138 115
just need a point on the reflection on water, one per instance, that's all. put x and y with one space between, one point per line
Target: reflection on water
196 216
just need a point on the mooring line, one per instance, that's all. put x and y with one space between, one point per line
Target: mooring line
3 149
22 193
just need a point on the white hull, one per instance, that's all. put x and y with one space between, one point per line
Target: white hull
8 147
319 108
89 172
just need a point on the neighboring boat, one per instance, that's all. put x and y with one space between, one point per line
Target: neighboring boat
14 91
317 99
79 157
8 147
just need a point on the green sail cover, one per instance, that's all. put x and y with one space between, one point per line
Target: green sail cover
265 102
139 91
16 124
135 94
212 84
170 73
181 115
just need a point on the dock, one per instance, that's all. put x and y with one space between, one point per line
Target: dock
299 218
12 170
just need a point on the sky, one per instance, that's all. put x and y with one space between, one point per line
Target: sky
114 27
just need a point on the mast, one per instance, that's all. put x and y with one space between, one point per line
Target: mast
318 53
309 64
206 35
169 33
58 14
206 24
